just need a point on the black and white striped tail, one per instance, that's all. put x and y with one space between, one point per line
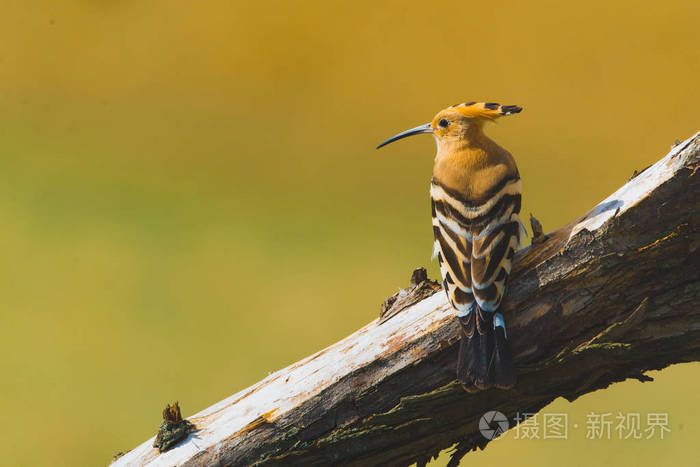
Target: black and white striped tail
484 359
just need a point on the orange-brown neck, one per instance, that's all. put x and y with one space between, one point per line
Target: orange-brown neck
472 164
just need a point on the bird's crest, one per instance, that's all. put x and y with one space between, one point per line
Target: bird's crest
487 110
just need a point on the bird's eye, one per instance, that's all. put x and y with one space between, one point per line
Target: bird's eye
443 123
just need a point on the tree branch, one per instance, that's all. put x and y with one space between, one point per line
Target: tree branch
607 297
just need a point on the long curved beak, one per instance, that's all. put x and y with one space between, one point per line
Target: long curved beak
413 131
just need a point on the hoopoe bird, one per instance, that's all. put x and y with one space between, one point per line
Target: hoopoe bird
475 195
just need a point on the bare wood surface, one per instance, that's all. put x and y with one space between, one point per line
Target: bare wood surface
607 297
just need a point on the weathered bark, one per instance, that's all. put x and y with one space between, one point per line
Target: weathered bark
607 297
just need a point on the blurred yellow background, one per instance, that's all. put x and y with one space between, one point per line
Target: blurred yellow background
190 197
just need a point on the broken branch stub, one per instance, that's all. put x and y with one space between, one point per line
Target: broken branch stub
173 429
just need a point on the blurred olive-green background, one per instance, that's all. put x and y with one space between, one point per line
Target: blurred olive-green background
190 197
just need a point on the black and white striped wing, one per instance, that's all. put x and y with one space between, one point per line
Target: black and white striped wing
476 244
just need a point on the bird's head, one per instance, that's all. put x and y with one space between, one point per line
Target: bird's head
457 121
